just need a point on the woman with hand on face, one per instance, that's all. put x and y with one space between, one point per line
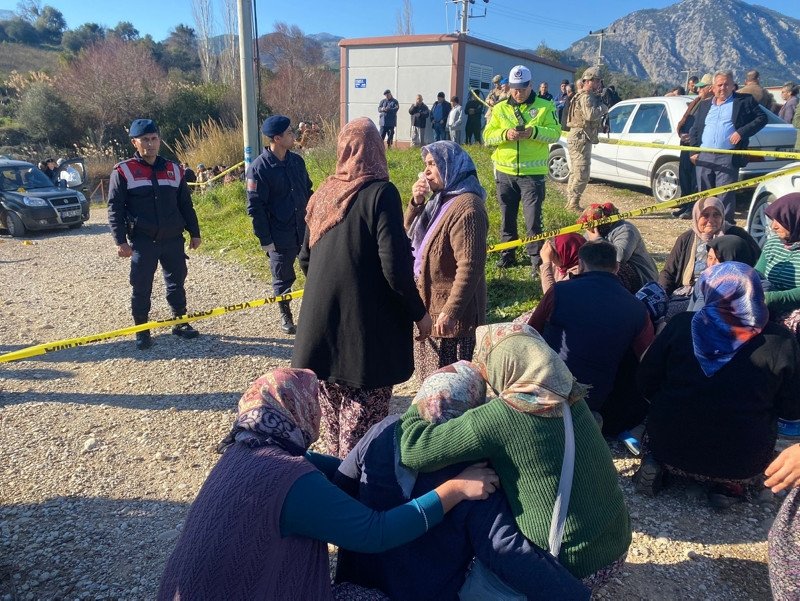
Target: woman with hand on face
559 259
448 236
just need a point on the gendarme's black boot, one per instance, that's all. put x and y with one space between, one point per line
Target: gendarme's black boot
143 339
287 323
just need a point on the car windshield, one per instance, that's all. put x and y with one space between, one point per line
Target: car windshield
29 178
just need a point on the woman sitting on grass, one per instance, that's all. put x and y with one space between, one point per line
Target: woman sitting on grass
636 266
522 432
259 525
717 381
559 259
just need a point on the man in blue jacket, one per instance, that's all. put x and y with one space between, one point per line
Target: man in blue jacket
388 108
149 207
278 189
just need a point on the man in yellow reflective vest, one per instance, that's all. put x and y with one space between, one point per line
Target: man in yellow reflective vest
522 127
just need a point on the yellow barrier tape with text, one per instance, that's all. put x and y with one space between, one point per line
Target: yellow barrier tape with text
778 154
216 177
59 345
645 210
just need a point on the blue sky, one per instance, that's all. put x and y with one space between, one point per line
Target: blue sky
510 22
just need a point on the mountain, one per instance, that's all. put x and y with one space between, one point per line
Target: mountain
6 15
702 36
328 43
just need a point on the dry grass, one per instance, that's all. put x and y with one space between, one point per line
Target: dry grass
23 58
210 143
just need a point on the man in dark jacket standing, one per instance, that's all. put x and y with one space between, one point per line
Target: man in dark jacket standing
419 121
278 189
439 113
725 121
388 108
149 207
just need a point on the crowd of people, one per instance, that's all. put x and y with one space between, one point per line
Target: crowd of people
693 368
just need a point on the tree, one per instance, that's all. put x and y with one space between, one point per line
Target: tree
229 57
204 21
405 18
21 31
111 83
45 117
124 31
50 24
29 10
180 49
84 36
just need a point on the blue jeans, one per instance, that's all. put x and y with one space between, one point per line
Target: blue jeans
439 131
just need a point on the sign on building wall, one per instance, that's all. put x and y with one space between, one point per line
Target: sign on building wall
361 83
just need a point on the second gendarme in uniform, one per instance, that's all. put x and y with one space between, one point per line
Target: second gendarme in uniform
584 117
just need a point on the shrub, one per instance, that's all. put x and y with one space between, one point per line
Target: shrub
210 143
45 116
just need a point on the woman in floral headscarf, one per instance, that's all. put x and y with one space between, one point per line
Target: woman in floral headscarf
522 432
688 257
259 525
780 262
360 302
717 380
636 266
448 238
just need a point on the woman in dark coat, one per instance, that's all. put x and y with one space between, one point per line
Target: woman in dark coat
360 300
717 381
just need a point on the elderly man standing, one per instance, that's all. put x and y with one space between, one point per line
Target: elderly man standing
752 86
584 116
388 108
278 189
725 121
149 208
522 128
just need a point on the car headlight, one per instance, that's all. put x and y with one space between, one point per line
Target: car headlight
32 201
81 197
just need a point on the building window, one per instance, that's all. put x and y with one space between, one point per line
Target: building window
480 77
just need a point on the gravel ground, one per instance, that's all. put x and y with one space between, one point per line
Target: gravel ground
105 447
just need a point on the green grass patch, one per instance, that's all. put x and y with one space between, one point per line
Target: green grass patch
228 233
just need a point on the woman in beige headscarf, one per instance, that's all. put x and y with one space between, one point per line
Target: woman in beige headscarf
360 300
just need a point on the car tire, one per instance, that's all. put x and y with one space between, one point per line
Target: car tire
757 220
14 225
666 182
557 166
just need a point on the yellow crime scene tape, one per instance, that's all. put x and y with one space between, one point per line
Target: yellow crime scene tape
42 349
778 154
60 345
219 175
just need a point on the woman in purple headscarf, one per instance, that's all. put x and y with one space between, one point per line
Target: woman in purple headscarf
780 262
448 236
717 380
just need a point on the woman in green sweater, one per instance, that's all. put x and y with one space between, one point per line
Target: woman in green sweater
780 262
522 432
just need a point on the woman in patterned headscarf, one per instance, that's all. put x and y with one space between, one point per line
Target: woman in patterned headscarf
780 262
259 525
716 381
522 432
360 301
636 266
448 239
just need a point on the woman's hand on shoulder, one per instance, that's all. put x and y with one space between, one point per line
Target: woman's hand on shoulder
473 484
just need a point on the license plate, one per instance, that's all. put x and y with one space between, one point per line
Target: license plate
75 213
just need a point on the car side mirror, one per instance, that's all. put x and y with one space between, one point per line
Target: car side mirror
62 184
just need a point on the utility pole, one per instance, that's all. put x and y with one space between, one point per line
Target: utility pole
250 129
465 14
601 34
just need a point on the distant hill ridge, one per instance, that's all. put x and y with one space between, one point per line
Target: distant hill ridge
703 36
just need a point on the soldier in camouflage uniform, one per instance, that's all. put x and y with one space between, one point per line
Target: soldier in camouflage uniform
584 116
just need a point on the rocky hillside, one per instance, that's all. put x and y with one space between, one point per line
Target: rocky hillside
703 36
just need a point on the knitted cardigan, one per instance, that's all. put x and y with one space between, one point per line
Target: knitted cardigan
452 277
527 451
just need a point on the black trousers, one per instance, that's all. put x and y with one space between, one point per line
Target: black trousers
687 177
718 170
281 264
473 131
387 132
147 254
511 190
